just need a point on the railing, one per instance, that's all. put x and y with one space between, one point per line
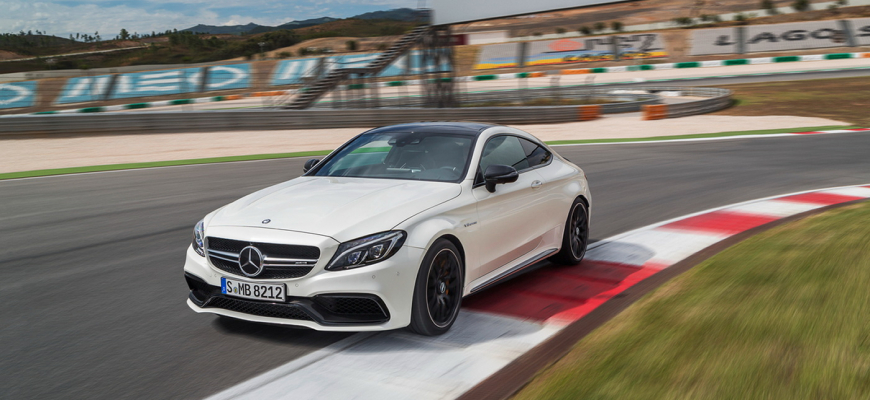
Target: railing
208 121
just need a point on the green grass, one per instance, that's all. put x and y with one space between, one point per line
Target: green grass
115 167
782 315
704 135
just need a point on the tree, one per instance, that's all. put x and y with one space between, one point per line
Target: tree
616 26
351 45
683 21
124 34
600 26
585 30
801 5
769 7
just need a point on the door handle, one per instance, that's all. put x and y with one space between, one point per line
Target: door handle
536 184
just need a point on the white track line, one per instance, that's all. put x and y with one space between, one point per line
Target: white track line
556 145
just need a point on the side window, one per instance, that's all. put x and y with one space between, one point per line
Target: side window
535 154
503 150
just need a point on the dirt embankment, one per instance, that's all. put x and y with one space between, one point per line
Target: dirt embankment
8 55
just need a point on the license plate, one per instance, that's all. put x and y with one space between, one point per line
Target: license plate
251 290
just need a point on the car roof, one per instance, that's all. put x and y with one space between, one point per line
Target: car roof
472 129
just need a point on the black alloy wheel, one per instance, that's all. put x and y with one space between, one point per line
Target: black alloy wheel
438 291
576 236
442 288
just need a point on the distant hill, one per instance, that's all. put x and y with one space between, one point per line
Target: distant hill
220 30
399 14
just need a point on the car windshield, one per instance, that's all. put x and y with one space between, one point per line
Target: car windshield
402 155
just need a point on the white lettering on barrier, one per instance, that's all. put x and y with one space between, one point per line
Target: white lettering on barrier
21 93
237 76
161 82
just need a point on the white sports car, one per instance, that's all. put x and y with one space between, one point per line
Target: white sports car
391 230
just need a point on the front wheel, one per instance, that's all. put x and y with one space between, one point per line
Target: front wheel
576 235
438 290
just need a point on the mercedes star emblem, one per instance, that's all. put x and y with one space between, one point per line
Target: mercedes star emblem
251 261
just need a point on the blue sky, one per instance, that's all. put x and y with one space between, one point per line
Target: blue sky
62 17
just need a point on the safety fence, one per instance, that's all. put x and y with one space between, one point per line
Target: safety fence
209 121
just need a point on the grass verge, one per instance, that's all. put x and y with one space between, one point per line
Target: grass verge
841 99
703 135
116 167
782 315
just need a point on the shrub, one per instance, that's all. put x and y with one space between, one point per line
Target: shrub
285 54
769 7
740 18
801 5
584 30
351 45
560 30
683 21
616 26
600 26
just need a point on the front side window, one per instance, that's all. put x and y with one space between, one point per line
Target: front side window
504 150
512 151
402 155
535 153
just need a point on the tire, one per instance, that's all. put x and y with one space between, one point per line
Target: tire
438 290
575 238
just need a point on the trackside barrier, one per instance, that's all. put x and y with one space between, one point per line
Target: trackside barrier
588 113
250 120
714 100
655 111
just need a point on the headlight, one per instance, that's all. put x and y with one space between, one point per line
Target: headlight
199 239
366 251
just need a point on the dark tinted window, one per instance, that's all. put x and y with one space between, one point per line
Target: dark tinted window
504 150
535 154
513 151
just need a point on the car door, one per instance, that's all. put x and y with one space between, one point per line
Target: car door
510 218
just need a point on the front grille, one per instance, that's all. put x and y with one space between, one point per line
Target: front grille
350 305
276 256
288 311
268 249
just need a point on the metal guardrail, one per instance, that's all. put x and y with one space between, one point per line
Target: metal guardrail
714 100
250 120
623 101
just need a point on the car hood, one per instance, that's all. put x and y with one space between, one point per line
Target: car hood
341 208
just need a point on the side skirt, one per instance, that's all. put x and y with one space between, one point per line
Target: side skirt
513 271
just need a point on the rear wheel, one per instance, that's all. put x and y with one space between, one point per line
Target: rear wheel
438 290
576 235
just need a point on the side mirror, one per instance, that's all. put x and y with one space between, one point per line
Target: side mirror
496 174
310 164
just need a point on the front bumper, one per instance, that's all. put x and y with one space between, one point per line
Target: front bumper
370 298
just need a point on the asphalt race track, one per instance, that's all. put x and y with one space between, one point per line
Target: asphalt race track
91 287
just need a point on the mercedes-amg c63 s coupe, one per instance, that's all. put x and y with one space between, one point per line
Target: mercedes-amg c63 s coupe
391 230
